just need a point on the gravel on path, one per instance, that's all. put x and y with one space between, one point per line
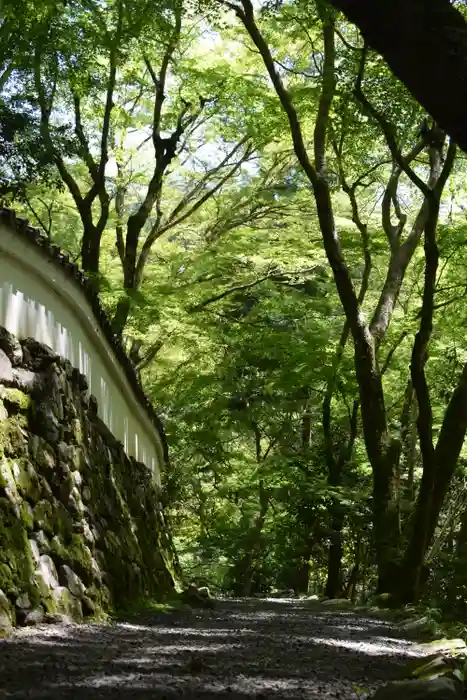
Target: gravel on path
242 650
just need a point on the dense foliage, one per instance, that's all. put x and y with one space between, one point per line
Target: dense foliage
277 229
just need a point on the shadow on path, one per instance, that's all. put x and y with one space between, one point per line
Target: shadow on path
244 649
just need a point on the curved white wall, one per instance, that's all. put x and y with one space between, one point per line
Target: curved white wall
38 300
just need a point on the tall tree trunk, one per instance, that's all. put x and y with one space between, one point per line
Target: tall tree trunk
409 439
336 465
368 376
121 314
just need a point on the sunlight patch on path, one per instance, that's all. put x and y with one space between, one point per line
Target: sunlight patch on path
376 646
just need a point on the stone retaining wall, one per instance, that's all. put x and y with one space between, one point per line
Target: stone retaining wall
82 529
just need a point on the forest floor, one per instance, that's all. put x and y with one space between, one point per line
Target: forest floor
266 649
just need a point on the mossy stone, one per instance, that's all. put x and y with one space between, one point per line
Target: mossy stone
7 480
101 597
67 604
6 579
58 549
27 516
16 400
12 441
43 455
50 461
44 516
17 565
66 487
45 488
26 480
63 521
46 576
80 558
77 430
78 458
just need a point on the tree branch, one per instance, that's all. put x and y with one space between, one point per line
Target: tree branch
189 196
401 254
231 290
45 110
109 96
157 230
85 152
327 90
386 128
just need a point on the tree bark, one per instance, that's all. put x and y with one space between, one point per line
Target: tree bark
350 591
424 44
333 587
90 252
408 442
461 539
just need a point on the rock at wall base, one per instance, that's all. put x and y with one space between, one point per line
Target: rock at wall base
6 616
72 582
29 618
67 604
57 619
6 369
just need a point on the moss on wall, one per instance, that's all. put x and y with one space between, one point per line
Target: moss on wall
82 529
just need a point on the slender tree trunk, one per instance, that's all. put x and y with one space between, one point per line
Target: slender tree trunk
336 466
350 591
246 565
336 511
409 442
333 587
351 588
461 540
254 543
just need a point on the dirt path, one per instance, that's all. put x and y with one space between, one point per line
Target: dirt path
247 649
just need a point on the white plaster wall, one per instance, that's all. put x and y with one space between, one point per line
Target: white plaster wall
38 300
